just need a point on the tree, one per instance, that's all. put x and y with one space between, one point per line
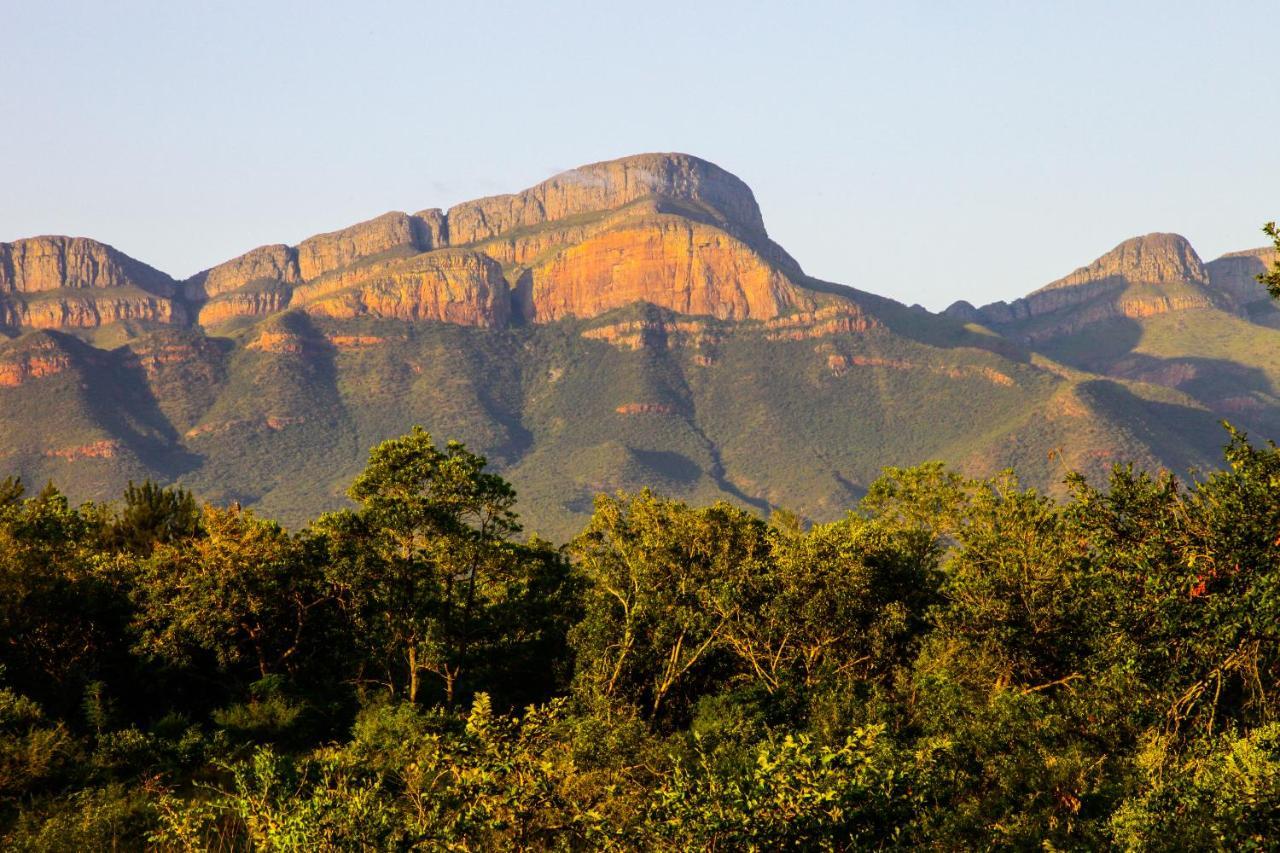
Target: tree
61 619
246 592
1271 278
660 597
838 604
153 515
426 570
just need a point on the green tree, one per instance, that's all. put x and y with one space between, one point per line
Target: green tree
246 592
1271 278
62 618
153 515
660 598
426 569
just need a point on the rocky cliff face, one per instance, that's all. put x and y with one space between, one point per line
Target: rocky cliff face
53 263
77 309
73 282
277 263
1235 274
259 282
335 250
670 262
450 286
1151 259
1153 274
243 303
669 229
606 186
29 358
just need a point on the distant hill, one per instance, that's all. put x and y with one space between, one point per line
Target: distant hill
623 324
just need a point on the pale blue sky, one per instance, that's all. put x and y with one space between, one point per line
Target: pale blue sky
922 150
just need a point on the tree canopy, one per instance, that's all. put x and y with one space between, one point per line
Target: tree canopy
956 664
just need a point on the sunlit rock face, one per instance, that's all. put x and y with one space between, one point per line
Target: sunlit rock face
670 262
449 286
1143 276
42 264
73 282
606 186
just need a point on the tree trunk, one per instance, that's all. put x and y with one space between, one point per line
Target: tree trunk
413 673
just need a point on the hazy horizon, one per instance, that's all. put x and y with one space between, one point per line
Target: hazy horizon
921 153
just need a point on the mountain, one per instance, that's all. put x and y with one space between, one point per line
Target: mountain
623 324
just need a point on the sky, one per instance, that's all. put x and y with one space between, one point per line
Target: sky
926 151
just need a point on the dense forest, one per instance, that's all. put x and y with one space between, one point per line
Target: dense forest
957 663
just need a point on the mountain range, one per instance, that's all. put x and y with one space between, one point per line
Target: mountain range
624 324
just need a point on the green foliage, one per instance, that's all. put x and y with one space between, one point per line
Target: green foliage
956 664
153 515
427 574
245 592
796 795
1224 796
1271 278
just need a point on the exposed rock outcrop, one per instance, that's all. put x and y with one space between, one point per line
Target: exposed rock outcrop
259 282
73 282
101 449
32 358
660 333
841 318
667 261
86 309
326 252
1151 259
244 303
964 311
670 229
609 185
42 264
1235 274
277 263
451 286
1143 276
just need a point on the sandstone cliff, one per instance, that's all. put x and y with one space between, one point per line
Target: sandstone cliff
31 357
325 252
669 229
247 302
76 308
277 263
1151 259
451 286
1235 274
606 186
66 282
53 263
1153 274
668 261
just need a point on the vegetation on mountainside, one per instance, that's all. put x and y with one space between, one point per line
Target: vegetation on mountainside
957 663
759 422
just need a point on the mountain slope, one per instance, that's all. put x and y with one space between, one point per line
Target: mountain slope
625 324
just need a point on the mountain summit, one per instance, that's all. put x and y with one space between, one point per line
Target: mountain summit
1151 259
1152 274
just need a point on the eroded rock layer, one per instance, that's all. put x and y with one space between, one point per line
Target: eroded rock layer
1141 277
450 286
667 261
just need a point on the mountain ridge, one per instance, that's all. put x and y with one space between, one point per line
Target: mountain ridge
627 323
